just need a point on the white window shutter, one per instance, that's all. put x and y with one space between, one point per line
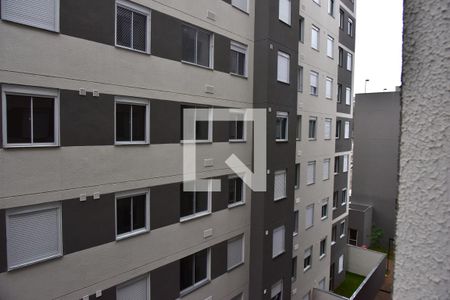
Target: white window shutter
326 169
308 252
330 47
315 37
309 216
341 263
284 13
135 289
313 79
37 13
234 252
329 88
33 235
327 129
311 172
283 67
280 185
347 130
345 163
276 289
241 4
348 96
278 241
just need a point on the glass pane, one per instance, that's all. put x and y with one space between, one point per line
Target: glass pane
232 129
18 119
278 129
188 44
283 128
123 215
43 120
187 204
201 130
123 122
203 48
201 201
139 211
238 189
231 191
201 265
234 64
139 31
123 37
241 64
139 124
240 129
186 272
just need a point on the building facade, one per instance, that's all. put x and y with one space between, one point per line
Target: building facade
93 96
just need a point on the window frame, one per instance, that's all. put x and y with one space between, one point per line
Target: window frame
279 172
347 130
203 213
345 163
203 282
134 280
239 237
28 91
311 86
333 235
299 128
240 9
338 129
311 163
335 200
341 19
235 112
330 39
344 197
131 193
301 33
27 210
340 92
348 96
280 282
349 65
279 228
323 253
133 101
211 47
309 257
329 85
237 203
240 48
138 9
282 115
342 229
341 264
328 134
288 57
312 118
324 204
331 8
315 29
350 27
210 126
289 20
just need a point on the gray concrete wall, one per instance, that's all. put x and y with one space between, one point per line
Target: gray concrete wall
423 224
375 161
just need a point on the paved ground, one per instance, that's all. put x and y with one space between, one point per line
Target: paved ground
385 292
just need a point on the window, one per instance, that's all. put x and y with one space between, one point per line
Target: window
197 46
238 57
294 269
300 79
327 128
323 248
341 57
342 229
299 128
315 31
311 174
301 33
235 252
353 237
280 185
41 14
283 67
349 61
335 199
324 209
276 293
132 213
344 197
348 96
341 263
296 219
199 124
312 128
278 241
326 169
297 176
307 296
345 163
284 11
132 26
317 2
333 235
338 128
236 191
138 288
322 284
240 4
30 117
341 19
132 121
237 126
346 130
331 7
194 271
330 47
329 88
309 219
337 162
350 27
194 204
314 82
307 259
281 134
33 234
340 93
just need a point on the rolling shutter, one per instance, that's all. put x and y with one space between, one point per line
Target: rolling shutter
38 13
280 185
234 252
136 289
278 241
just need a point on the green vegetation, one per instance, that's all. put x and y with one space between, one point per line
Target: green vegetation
375 237
349 285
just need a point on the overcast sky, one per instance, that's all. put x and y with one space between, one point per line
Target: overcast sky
378 45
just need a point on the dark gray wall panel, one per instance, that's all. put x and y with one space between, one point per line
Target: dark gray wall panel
165 282
164 122
341 106
86 120
349 3
164 205
218 259
3 262
344 38
372 287
1 114
88 224
166 36
337 250
220 199
341 144
340 182
108 294
345 76
221 53
90 20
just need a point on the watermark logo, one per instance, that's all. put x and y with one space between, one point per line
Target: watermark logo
197 128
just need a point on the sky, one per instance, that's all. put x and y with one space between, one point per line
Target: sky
378 50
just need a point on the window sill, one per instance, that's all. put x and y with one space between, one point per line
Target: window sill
241 10
194 287
333 243
309 184
343 204
283 82
127 235
131 143
295 234
132 49
37 261
324 218
281 141
279 199
239 75
285 23
334 208
307 268
322 256
342 236
309 227
278 255
312 139
314 95
236 204
197 65
11 146
194 216
196 142
237 141
235 266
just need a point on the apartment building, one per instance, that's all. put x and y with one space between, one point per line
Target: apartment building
92 200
